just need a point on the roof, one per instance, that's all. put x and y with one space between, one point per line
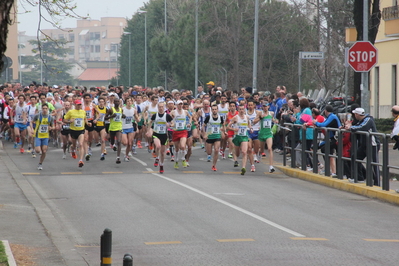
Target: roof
98 74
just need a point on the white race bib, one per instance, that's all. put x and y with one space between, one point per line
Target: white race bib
118 117
78 122
267 123
242 131
43 129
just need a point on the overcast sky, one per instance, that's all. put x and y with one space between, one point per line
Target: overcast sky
95 8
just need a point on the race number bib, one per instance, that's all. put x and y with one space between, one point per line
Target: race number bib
242 131
18 118
65 127
215 129
161 128
267 123
118 117
101 118
88 114
180 124
78 122
43 129
128 120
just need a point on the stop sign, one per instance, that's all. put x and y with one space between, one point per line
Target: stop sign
362 56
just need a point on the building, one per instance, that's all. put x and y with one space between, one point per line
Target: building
98 73
11 73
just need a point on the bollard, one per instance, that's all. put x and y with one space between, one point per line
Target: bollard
106 247
127 260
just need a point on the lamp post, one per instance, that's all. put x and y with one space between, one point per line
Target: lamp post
255 60
130 57
109 63
196 48
145 46
166 33
117 53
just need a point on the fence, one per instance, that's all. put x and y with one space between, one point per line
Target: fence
384 138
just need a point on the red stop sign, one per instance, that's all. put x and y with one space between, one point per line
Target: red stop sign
362 56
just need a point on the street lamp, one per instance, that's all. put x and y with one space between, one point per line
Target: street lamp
117 53
255 60
130 57
166 33
109 63
196 48
145 45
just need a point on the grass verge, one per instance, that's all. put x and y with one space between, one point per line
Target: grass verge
3 255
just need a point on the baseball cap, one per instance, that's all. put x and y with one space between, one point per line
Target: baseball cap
359 111
49 95
265 104
211 83
179 102
78 102
55 86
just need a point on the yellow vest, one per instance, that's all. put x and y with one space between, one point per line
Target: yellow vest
42 127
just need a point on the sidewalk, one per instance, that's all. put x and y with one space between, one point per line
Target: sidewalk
29 242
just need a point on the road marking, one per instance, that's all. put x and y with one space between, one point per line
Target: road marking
235 240
82 246
162 243
381 240
30 173
71 173
230 194
231 173
193 172
149 172
309 238
251 214
140 161
112 172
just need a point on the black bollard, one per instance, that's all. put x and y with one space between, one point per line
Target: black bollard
106 247
128 260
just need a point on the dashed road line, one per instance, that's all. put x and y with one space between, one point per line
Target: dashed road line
71 173
310 238
235 240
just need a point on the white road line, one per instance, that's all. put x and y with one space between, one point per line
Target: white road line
253 215
140 161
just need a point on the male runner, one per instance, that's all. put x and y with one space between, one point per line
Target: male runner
115 115
99 122
128 131
20 111
180 133
214 128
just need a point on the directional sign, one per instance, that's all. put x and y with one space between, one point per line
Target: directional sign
362 56
311 55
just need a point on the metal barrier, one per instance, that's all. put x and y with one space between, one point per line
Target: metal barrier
290 130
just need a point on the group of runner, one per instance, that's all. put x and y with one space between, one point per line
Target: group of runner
170 125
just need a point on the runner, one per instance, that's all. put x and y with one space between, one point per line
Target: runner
223 108
31 115
115 115
159 122
265 134
202 114
170 108
65 129
140 105
128 131
230 133
180 133
148 112
99 122
88 107
254 143
214 128
190 129
20 111
76 118
44 124
240 140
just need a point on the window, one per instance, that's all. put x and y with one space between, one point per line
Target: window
394 85
97 35
61 36
71 37
71 50
97 48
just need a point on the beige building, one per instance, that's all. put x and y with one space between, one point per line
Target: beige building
12 47
92 40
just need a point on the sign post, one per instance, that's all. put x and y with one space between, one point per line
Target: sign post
306 55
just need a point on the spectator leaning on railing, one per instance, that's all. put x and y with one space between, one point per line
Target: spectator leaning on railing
395 130
366 123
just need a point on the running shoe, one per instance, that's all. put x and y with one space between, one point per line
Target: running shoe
263 154
172 159
102 158
149 149
220 152
271 169
252 168
202 146
118 160
156 163
98 144
87 157
256 159
15 145
176 165
243 170
89 151
127 159
161 169
139 144
64 156
134 150
236 164
114 148
184 163
105 152
223 157
81 163
21 150
73 154
39 166
29 148
214 168
154 155
33 154
188 165
208 158
167 152
151 146
230 155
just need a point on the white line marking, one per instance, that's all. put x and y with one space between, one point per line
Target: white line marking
140 161
253 215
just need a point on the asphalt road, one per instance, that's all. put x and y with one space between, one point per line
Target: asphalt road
195 216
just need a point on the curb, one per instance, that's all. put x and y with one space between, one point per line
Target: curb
361 189
1 145
10 257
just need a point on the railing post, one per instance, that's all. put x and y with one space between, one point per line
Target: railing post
293 146
127 260
315 148
340 162
369 159
303 147
385 163
106 247
284 148
354 171
327 153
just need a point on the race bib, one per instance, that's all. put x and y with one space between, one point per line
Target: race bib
128 120
118 117
88 114
101 118
161 128
242 131
65 127
43 129
180 124
215 129
78 122
267 123
18 118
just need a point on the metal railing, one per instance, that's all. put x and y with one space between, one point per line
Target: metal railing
391 12
314 153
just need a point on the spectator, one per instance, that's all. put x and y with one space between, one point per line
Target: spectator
395 130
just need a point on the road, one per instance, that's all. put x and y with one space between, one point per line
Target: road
195 216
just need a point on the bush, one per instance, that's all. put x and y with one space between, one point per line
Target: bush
384 125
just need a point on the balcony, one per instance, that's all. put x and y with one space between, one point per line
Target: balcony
391 17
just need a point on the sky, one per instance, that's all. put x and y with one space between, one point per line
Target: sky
95 8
